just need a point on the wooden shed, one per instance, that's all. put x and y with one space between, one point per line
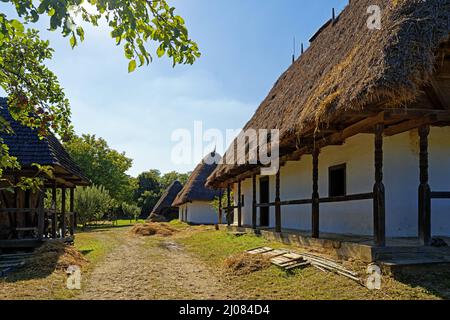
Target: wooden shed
24 221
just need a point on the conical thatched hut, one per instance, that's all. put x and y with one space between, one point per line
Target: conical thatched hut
363 100
194 200
24 222
164 207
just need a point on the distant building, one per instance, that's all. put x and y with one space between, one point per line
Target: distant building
194 200
164 207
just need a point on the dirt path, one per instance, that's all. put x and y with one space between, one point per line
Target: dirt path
152 269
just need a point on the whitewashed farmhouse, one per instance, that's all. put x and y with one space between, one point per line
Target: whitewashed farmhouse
195 199
364 120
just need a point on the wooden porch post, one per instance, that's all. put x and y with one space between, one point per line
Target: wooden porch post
277 203
73 220
220 207
254 202
228 204
41 213
239 204
63 212
315 194
54 213
379 210
424 190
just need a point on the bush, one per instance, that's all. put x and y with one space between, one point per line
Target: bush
91 203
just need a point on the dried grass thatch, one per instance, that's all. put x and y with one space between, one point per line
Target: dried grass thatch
153 229
195 189
349 67
244 263
164 205
56 254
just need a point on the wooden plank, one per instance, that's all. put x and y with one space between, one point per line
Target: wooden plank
259 250
277 202
424 214
352 197
409 125
379 210
275 253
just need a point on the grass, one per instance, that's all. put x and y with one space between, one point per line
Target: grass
213 247
39 285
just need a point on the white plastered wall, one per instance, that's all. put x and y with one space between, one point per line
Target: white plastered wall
401 179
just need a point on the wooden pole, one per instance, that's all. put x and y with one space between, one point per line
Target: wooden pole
220 207
424 190
228 205
379 209
239 204
315 194
254 202
54 213
63 212
73 220
41 213
277 203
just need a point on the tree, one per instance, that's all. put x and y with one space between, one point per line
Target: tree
131 211
35 97
103 166
167 179
91 203
148 181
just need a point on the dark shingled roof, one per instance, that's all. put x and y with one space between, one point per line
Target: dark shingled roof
168 197
28 148
195 188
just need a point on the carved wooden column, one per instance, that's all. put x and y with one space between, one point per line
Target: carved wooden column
424 189
73 220
54 212
41 214
239 204
63 212
220 207
229 205
379 209
315 195
277 203
254 202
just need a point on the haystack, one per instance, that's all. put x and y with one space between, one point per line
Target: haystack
56 255
244 263
152 229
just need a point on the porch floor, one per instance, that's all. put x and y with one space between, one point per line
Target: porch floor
397 252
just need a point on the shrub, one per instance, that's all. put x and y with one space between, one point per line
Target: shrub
91 203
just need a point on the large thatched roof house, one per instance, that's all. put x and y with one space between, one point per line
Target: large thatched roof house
164 207
362 114
194 200
23 219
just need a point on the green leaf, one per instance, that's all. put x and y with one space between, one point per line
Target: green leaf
73 41
18 26
131 66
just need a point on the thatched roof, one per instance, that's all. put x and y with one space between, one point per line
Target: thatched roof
28 148
195 189
349 68
168 197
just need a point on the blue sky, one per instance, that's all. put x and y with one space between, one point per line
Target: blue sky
245 45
